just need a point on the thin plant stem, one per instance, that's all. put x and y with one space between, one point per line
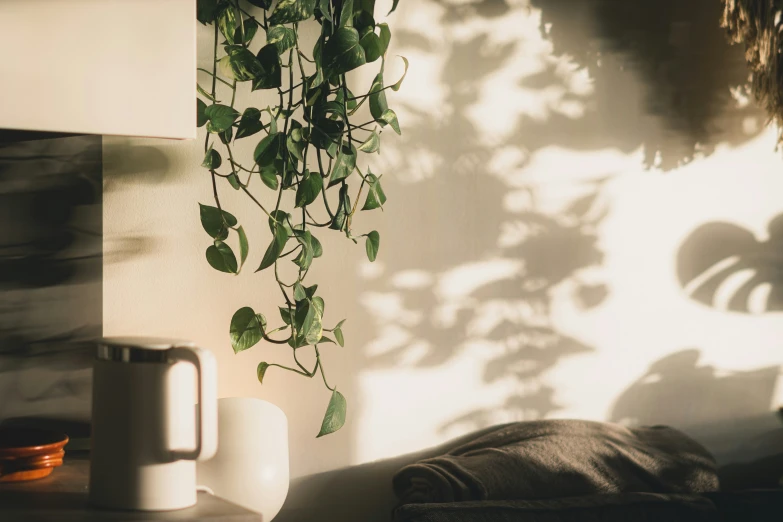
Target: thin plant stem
255 201
206 140
304 372
214 76
321 366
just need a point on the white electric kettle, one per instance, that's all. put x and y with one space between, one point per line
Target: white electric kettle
142 410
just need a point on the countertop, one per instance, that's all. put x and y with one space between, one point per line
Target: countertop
62 497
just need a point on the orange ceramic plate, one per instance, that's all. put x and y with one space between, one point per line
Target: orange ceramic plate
28 454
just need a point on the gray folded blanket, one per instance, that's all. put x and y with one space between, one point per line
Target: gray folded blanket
560 458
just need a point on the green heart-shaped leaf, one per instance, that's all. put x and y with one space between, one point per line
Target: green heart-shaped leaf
212 159
227 22
206 11
385 37
343 52
344 166
294 142
244 65
396 86
261 371
281 37
249 123
271 76
309 189
373 46
390 117
244 247
267 149
378 103
305 257
250 28
346 14
222 258
282 218
201 117
375 196
338 334
317 248
323 7
372 245
394 6
246 329
275 248
301 293
334 419
226 135
220 117
269 177
286 314
292 11
307 322
233 180
215 221
343 210
371 144
364 15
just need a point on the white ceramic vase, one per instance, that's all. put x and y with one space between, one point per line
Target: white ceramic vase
250 467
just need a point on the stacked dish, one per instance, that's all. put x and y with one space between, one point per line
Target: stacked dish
29 454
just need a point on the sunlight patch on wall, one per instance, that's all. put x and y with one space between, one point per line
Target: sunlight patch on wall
648 313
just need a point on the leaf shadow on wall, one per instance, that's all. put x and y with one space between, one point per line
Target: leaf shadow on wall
125 165
695 84
126 162
683 109
442 288
727 412
724 266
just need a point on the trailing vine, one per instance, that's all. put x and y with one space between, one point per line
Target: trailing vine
308 146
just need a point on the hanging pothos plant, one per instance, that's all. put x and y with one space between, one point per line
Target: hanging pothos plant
308 145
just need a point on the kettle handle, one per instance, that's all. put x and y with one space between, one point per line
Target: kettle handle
206 420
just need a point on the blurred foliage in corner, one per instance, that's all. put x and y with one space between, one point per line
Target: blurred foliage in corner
696 82
757 25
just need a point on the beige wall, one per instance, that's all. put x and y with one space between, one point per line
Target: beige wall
528 263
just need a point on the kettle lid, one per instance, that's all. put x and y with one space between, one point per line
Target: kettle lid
137 349
144 343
